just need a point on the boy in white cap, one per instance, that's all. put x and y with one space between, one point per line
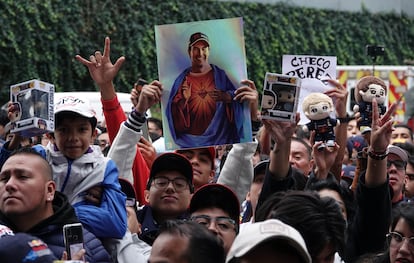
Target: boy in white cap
80 171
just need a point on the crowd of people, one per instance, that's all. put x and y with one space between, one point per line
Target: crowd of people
279 198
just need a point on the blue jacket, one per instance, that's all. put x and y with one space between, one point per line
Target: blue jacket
50 231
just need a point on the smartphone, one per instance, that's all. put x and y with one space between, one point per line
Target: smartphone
140 83
73 236
138 86
145 132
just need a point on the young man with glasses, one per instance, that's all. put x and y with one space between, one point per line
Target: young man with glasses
168 194
216 207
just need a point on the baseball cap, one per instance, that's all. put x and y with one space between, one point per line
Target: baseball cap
271 229
74 104
216 195
402 154
196 37
127 188
22 247
348 172
356 142
171 161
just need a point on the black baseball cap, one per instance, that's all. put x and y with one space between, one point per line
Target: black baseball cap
171 161
216 195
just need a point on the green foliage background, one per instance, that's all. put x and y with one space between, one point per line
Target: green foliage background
41 37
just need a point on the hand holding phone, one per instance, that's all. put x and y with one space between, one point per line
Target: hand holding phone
73 236
139 84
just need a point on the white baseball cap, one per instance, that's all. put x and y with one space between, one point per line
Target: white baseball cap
272 229
74 104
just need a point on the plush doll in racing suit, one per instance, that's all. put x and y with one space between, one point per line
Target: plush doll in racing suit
317 107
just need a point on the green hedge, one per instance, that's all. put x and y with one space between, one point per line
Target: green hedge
41 37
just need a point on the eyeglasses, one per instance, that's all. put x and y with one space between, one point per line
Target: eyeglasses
396 239
400 165
410 176
180 184
130 202
223 223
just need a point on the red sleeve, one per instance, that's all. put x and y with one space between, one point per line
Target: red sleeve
114 117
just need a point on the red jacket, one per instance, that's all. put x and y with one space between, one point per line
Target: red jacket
114 117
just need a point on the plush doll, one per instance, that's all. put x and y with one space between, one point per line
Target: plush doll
368 88
317 107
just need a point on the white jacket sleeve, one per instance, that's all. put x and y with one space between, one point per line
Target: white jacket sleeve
128 249
123 150
124 146
237 171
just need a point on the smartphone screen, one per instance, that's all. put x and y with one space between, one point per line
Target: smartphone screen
73 236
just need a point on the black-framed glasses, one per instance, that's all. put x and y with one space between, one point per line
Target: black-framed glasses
223 223
400 165
396 239
180 184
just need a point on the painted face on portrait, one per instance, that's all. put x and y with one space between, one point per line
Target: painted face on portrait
199 53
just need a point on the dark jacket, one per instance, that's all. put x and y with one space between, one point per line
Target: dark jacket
50 231
366 232
149 227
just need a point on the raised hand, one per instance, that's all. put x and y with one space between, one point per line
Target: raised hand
186 88
248 92
324 159
340 94
100 66
150 95
280 131
381 128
